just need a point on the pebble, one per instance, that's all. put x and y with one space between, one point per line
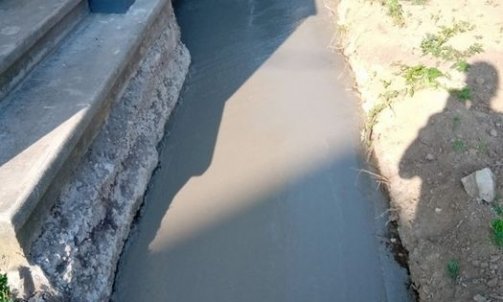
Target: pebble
495 258
476 263
493 132
438 210
484 265
430 157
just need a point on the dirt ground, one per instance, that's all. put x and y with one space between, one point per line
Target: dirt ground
428 75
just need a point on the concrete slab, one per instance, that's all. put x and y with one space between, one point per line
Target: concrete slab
29 30
58 108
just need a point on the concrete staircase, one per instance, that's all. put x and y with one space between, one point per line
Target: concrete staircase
61 68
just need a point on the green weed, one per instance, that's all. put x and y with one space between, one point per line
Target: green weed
371 121
497 231
395 11
5 294
461 66
474 49
420 76
458 145
498 209
436 44
453 269
464 94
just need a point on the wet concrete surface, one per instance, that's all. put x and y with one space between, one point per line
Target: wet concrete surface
258 196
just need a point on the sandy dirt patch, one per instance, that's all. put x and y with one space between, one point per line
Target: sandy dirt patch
429 77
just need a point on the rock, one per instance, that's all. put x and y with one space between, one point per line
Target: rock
495 258
438 210
493 132
430 157
479 298
480 184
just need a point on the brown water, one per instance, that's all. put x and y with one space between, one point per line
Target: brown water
258 195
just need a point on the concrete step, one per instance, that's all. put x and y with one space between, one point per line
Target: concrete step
49 121
29 30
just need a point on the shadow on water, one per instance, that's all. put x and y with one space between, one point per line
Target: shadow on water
251 250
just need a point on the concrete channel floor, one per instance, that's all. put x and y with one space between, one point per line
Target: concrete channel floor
258 195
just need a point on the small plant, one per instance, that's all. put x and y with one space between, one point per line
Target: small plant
372 116
461 66
453 269
458 145
436 45
395 11
497 231
5 295
474 49
420 76
498 209
464 94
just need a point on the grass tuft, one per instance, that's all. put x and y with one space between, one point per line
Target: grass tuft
464 94
461 66
453 269
497 231
5 294
395 11
436 45
420 76
458 146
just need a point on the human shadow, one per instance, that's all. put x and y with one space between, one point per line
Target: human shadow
454 143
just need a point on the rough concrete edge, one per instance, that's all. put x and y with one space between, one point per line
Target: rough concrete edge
82 239
37 198
146 23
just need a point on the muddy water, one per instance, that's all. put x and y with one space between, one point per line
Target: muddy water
258 195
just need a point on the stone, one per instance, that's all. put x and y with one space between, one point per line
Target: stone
493 132
480 185
493 282
430 157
